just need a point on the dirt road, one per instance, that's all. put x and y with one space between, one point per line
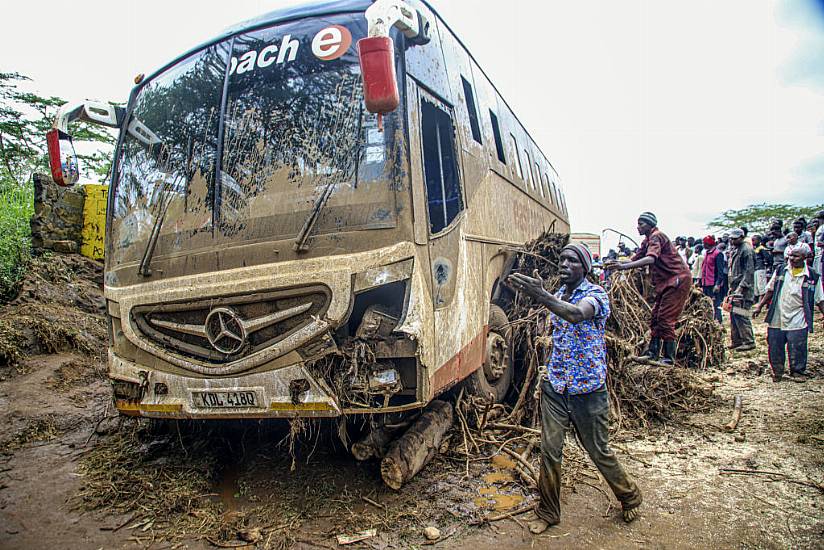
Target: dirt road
70 477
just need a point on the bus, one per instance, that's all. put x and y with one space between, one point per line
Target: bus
285 239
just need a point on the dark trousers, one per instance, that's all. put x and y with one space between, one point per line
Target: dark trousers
782 343
589 414
741 326
778 263
669 303
717 298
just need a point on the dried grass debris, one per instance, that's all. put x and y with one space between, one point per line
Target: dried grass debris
59 307
639 395
44 428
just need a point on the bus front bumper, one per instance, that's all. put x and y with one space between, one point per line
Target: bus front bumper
287 392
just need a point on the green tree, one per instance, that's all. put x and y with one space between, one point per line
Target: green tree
25 117
757 217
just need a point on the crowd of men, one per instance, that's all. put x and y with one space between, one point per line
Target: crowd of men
744 274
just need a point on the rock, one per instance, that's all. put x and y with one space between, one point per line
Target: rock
66 247
740 438
107 425
57 222
432 533
249 535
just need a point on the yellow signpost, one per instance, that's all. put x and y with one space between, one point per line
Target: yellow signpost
94 220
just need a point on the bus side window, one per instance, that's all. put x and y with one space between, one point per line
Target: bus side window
496 132
473 111
443 189
528 170
518 160
541 180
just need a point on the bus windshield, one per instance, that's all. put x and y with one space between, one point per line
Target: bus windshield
248 133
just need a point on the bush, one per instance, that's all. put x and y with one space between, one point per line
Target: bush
16 209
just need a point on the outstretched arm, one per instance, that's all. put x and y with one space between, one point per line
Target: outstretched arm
622 266
534 288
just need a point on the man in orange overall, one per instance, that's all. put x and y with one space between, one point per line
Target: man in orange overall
672 281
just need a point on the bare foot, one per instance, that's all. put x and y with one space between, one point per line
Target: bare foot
538 526
630 515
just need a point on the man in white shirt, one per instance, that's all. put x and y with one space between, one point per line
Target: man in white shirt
792 294
697 263
681 248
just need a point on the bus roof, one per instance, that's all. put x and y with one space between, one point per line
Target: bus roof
315 9
282 15
299 11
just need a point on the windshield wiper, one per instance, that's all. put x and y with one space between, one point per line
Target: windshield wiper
303 236
165 200
301 241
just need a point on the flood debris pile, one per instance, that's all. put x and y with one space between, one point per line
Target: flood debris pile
639 393
162 477
348 373
235 484
45 428
59 306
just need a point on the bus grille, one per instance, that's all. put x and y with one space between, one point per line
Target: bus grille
225 329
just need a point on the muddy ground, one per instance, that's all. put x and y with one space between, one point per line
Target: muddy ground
212 486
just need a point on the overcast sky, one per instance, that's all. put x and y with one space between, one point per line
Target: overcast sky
681 108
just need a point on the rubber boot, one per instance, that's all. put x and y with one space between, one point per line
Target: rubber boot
669 352
653 351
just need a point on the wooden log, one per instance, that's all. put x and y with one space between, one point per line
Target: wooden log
414 449
374 444
736 414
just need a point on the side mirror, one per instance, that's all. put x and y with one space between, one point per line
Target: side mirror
63 162
380 85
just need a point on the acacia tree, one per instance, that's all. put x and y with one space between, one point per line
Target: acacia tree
25 117
757 217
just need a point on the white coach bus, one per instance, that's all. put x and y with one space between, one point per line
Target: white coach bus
323 182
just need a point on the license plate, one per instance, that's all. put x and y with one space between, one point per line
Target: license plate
235 399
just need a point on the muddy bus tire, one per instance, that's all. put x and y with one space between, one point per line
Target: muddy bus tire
495 375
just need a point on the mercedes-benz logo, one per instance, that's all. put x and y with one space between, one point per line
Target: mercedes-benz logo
225 330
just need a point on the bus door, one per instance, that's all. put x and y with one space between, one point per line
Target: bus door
438 164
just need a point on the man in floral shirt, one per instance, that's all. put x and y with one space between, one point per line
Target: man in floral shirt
573 393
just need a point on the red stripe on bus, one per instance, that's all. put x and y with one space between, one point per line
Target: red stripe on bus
463 363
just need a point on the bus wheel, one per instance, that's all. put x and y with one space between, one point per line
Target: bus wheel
495 376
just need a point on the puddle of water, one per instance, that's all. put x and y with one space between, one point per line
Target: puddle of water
227 487
499 477
491 495
503 462
498 501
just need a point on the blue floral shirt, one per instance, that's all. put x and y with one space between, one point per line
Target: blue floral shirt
579 353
